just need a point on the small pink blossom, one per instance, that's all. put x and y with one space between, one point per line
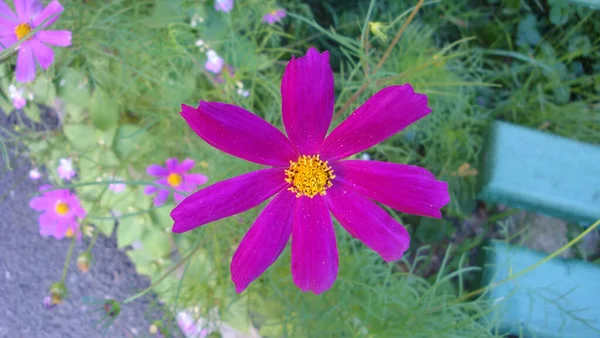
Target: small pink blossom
61 212
176 176
34 174
117 187
17 97
224 5
65 169
274 16
189 327
214 62
31 14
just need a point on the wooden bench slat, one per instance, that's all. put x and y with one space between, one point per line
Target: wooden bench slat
541 172
560 298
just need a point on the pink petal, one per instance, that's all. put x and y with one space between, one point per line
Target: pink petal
265 240
62 225
52 10
383 115
41 203
368 222
25 71
185 166
26 9
314 252
149 190
307 100
227 198
161 197
240 133
157 171
406 188
178 197
56 38
47 222
6 12
172 164
195 179
8 40
43 53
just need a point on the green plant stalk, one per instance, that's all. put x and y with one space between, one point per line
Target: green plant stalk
165 275
525 271
387 53
66 265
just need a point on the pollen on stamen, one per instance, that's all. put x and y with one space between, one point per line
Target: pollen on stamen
22 30
309 176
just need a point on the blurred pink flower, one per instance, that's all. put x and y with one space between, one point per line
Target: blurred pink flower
214 62
35 174
117 187
17 97
61 211
65 169
30 15
224 5
274 16
175 176
189 327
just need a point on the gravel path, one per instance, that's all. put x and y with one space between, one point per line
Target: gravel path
29 264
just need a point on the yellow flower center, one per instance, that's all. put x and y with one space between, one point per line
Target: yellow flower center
22 30
62 208
174 180
309 175
69 233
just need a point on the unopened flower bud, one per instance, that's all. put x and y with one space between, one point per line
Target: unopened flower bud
112 308
378 29
84 261
58 292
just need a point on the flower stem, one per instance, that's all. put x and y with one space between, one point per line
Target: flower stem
69 254
158 281
387 53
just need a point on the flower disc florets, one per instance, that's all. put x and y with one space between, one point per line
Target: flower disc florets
310 176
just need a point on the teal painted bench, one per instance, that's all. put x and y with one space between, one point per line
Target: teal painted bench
556 176
541 172
560 298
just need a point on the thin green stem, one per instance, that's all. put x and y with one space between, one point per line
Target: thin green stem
165 275
386 54
69 254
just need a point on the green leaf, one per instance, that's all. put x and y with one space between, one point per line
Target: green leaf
104 111
81 136
128 139
105 226
162 216
33 112
129 229
527 33
559 15
157 244
44 90
236 315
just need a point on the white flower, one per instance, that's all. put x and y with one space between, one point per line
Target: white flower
65 169
35 174
214 62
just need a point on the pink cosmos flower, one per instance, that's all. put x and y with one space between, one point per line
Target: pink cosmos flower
224 5
274 16
30 15
175 176
61 211
309 177
65 169
214 62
